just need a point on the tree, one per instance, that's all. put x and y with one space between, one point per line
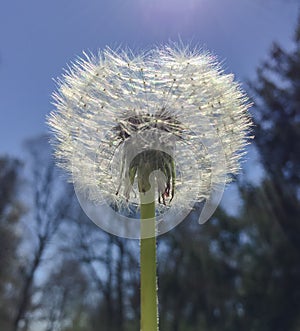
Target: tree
64 298
277 130
111 267
48 209
269 263
270 259
198 275
11 210
70 274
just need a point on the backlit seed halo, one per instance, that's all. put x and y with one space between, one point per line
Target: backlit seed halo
96 199
104 100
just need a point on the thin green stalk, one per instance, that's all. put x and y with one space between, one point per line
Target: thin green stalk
149 301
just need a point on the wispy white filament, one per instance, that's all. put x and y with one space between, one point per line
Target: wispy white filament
116 104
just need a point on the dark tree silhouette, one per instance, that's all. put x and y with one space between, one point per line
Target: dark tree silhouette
11 209
277 120
270 261
50 204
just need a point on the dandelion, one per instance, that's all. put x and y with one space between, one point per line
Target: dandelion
162 130
114 106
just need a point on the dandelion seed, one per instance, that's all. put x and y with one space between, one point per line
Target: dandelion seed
172 110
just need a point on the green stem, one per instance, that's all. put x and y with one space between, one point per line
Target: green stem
149 302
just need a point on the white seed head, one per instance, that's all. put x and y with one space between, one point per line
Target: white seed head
117 105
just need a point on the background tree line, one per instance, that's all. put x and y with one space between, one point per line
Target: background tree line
58 271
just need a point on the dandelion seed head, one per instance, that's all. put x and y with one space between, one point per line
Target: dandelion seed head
172 105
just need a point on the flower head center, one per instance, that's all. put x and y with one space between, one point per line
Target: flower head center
160 162
140 122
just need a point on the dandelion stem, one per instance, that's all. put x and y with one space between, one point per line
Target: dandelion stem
149 302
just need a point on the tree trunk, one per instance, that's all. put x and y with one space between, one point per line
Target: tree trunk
25 295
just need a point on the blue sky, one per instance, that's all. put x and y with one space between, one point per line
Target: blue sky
38 39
